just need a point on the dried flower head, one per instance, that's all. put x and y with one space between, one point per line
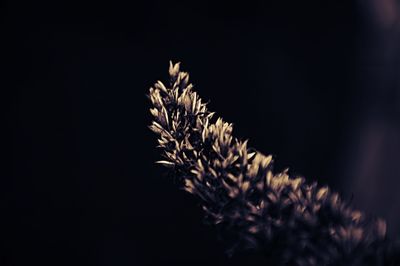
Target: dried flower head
291 221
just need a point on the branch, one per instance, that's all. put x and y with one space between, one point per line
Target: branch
290 221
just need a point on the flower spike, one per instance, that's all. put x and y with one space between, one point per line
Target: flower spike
290 221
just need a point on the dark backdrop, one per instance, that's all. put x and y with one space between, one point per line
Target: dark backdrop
315 83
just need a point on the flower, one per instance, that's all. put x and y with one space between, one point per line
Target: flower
290 221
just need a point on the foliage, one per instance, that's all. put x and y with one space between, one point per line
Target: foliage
290 221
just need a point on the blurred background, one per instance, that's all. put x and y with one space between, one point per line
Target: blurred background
315 83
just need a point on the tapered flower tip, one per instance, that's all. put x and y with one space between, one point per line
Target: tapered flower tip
174 69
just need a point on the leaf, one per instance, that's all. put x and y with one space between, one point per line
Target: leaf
166 163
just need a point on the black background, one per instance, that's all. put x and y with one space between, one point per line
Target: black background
300 80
